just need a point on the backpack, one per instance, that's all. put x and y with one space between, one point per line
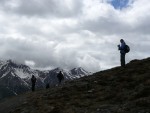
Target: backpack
127 49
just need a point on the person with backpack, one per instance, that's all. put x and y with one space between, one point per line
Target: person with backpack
33 80
123 50
60 77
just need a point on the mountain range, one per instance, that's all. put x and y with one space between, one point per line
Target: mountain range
16 78
116 90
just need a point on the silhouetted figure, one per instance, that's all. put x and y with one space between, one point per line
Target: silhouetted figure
33 80
122 48
60 77
47 86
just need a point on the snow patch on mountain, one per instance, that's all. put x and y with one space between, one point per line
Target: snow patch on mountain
22 74
17 77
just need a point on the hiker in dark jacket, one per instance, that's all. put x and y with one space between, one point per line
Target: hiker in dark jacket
47 86
122 52
33 80
60 77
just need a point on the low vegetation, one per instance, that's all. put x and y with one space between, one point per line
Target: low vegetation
117 90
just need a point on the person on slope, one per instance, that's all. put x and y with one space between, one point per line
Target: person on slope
33 81
60 77
121 47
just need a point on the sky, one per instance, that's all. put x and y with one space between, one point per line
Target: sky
45 34
119 4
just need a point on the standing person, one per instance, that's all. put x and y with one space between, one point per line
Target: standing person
60 77
47 86
122 48
33 80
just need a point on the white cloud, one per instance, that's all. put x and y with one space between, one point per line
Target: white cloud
30 63
72 33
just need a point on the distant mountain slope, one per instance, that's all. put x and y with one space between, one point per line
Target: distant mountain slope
15 78
117 90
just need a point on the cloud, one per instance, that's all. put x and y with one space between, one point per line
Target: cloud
58 8
72 33
30 63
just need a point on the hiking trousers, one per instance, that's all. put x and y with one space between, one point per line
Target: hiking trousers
122 59
33 86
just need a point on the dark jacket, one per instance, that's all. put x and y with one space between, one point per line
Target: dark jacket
122 47
33 79
60 76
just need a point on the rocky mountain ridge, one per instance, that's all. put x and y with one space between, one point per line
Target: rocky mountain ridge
15 78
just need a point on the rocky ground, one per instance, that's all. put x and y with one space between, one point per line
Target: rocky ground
117 90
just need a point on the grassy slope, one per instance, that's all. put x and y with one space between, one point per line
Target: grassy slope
118 90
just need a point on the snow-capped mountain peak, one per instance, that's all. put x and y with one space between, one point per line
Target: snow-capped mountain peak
16 77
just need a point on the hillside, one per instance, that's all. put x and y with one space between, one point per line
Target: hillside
15 78
117 90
